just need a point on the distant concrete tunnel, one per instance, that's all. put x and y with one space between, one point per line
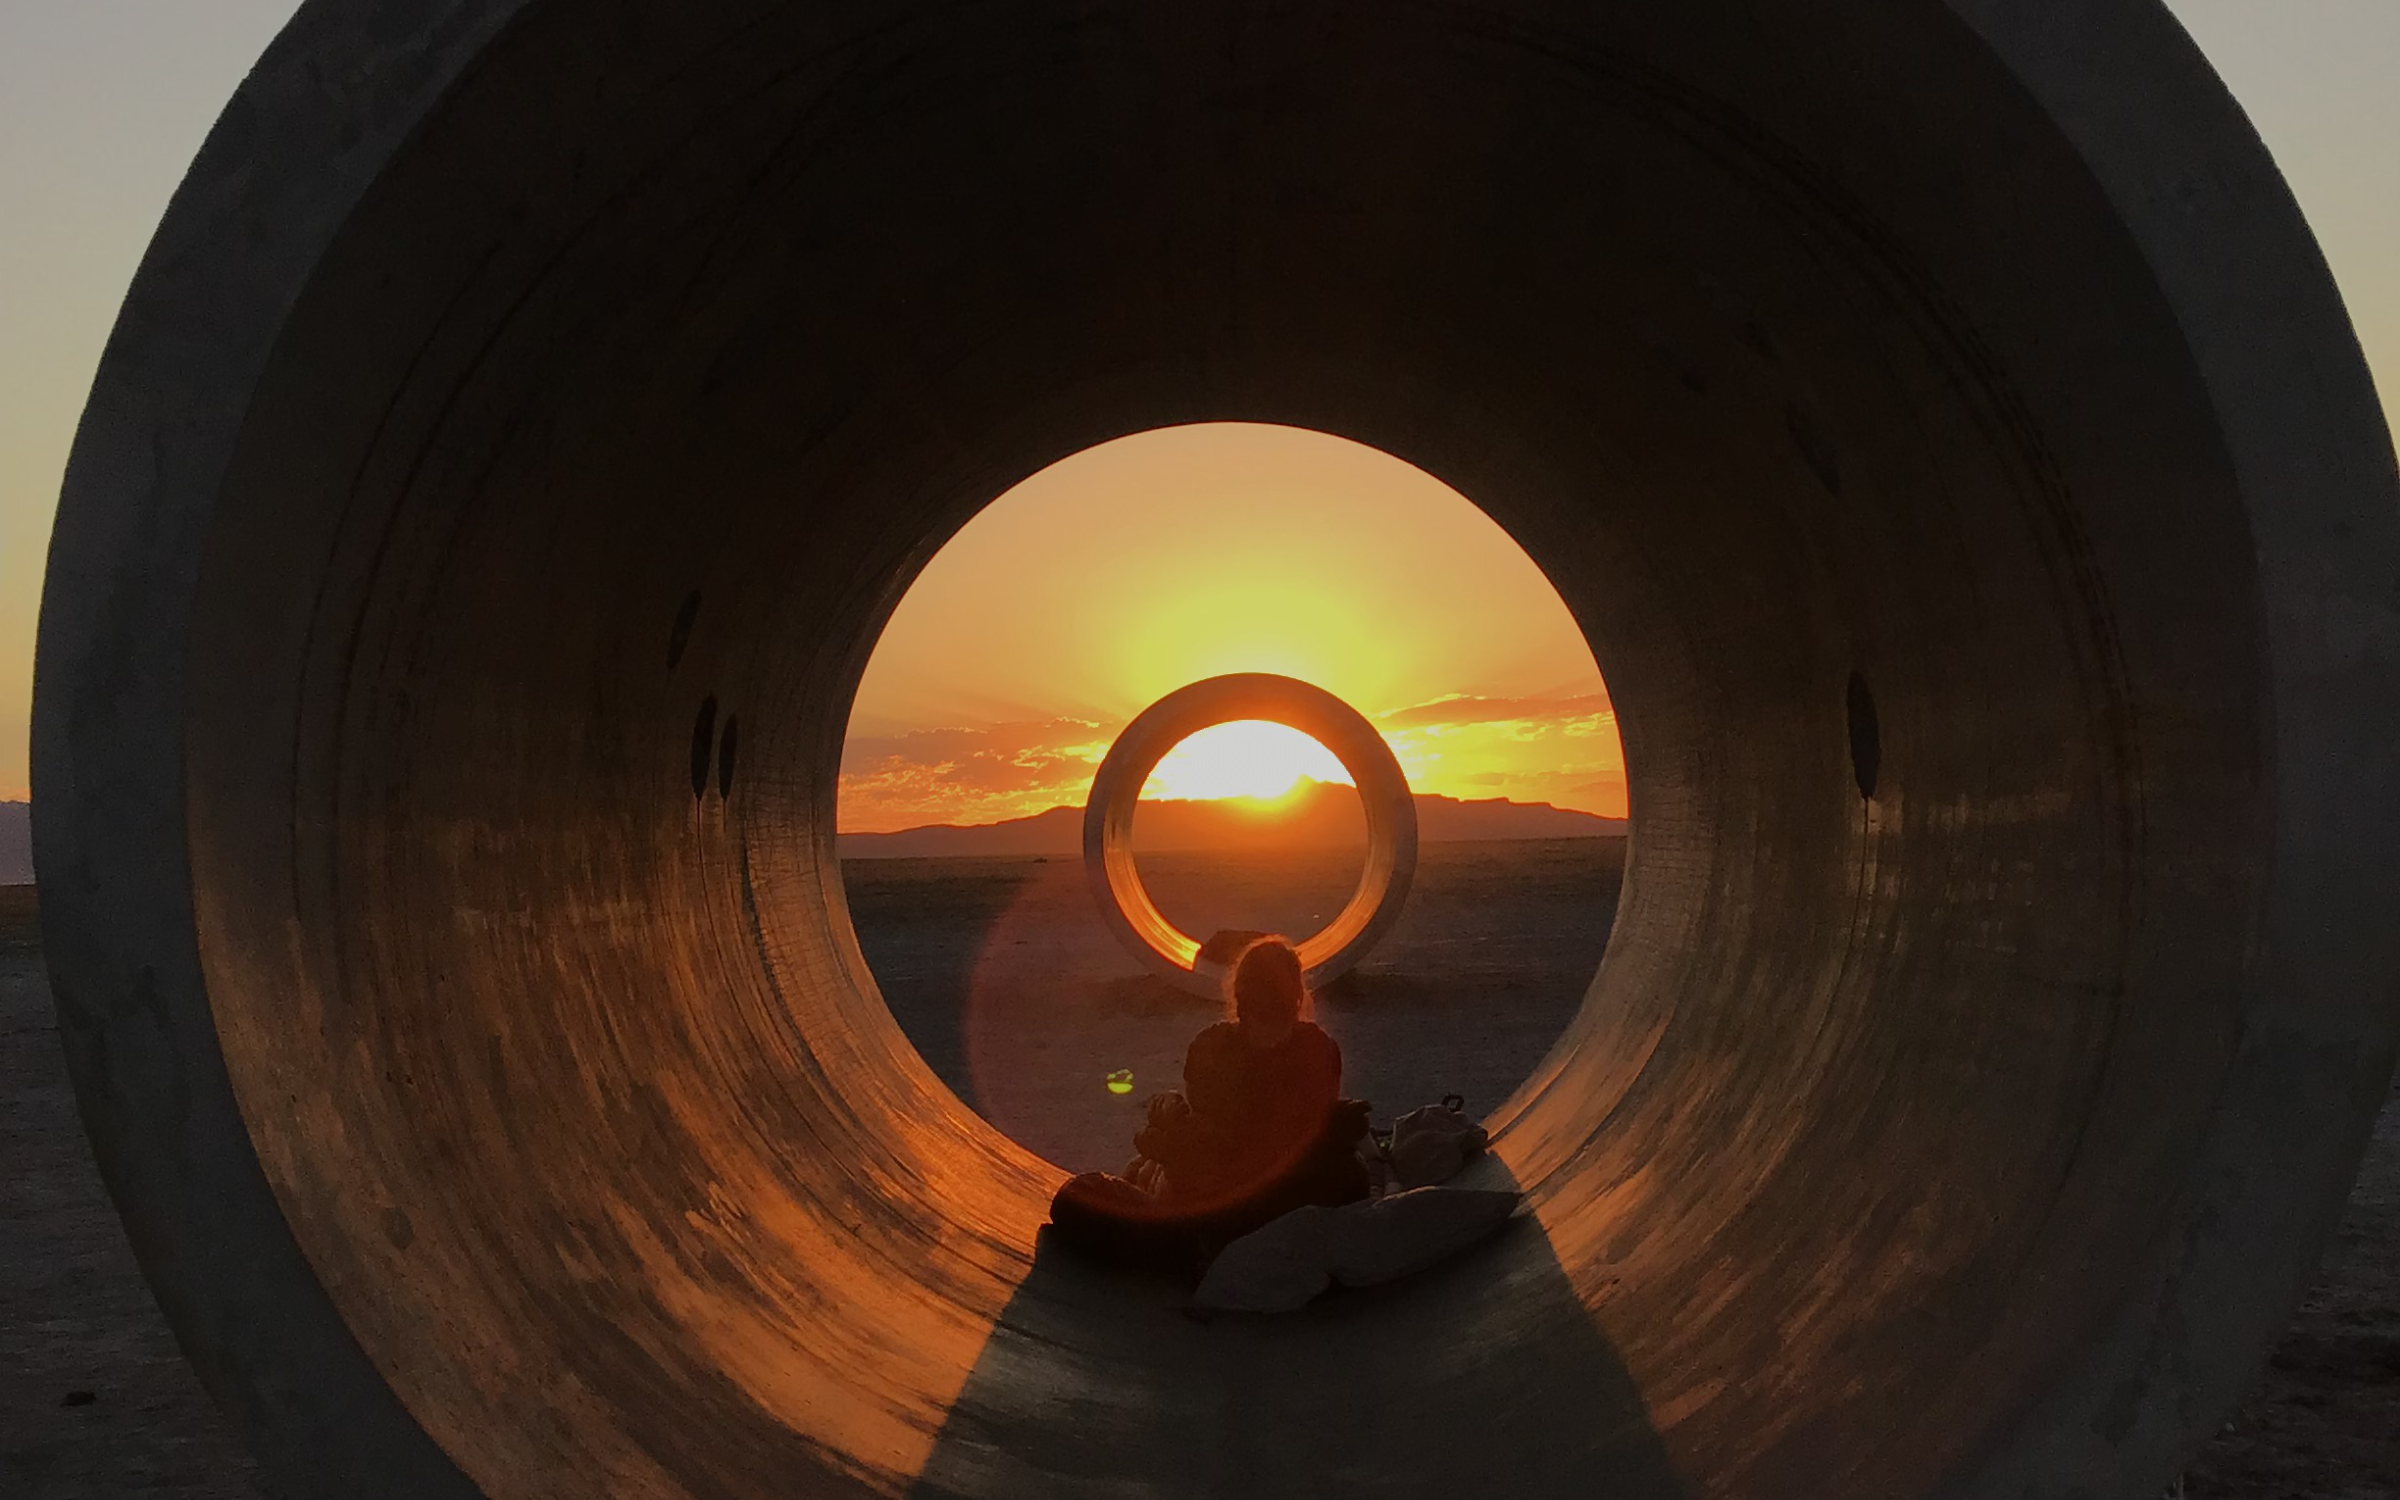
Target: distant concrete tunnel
1936 414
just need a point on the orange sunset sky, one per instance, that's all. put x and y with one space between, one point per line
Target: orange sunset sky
1111 578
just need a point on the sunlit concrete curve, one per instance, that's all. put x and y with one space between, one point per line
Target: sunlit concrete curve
1389 864
1936 415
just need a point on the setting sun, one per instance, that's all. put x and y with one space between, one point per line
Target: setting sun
1247 758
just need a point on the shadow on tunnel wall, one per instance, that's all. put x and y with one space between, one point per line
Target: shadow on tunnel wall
1486 1376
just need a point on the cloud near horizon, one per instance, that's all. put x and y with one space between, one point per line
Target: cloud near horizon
967 775
1558 750
1461 709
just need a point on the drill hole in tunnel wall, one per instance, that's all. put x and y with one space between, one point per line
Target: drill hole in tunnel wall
679 635
1866 736
726 745
704 743
1260 548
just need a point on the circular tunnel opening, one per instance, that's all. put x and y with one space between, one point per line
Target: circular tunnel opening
472 1016
1134 569
1277 795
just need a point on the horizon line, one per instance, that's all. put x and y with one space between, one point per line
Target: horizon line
1077 807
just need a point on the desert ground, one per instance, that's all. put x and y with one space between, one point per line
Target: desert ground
999 972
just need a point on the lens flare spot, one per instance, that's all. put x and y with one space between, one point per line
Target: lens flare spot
1121 1081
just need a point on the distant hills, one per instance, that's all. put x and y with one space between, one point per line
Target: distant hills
1316 816
16 843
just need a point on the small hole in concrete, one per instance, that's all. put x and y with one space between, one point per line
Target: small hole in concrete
680 635
725 757
704 739
1866 738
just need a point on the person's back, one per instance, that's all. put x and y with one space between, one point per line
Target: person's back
1262 1108
1259 1130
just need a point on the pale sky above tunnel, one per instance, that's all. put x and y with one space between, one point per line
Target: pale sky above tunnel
103 102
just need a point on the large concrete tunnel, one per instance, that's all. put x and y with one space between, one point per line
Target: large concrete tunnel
1935 413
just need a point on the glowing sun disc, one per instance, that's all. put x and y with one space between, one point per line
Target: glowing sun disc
1246 758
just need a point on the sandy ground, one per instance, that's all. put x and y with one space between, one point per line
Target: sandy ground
95 1399
76 1320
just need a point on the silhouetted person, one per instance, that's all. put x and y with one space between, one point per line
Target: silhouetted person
1259 1129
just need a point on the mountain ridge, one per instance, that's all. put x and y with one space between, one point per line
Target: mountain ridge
1317 815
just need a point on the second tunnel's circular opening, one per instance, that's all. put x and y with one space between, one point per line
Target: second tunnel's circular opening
1263 778
1143 565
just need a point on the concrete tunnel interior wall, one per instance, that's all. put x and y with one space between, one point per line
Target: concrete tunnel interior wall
1806 354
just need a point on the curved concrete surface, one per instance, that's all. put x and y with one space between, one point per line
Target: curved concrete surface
1936 414
1384 874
